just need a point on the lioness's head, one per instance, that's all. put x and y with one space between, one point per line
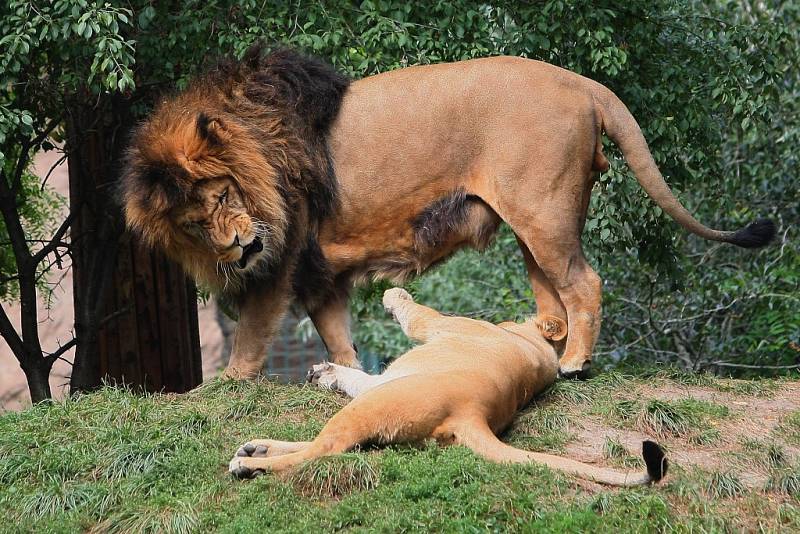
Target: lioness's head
198 186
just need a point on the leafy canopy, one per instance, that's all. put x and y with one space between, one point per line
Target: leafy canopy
712 83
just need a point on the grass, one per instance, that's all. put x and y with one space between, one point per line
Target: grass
789 428
769 454
335 476
724 484
544 429
114 461
785 481
688 418
618 455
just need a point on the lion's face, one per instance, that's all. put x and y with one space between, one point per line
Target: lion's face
216 219
199 188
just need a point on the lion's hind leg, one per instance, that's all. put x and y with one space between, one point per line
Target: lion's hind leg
327 443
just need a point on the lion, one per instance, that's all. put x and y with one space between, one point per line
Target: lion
463 385
276 179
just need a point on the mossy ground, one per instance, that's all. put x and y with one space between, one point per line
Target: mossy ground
116 461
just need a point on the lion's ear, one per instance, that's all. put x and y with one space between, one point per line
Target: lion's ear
552 327
212 129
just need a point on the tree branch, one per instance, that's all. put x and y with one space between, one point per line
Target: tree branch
56 239
27 145
53 356
55 165
16 234
747 366
11 336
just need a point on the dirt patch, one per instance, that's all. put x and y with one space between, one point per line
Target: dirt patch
746 434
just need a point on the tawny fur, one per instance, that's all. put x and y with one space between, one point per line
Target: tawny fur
462 385
481 141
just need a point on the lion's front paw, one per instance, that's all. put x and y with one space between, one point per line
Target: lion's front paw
394 296
323 375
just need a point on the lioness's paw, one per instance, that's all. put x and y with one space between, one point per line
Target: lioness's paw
240 468
394 296
252 450
323 375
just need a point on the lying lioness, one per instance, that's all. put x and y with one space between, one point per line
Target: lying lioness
463 385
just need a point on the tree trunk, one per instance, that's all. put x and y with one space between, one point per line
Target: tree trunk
135 312
38 377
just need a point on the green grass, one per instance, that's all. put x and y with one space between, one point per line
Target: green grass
769 454
756 387
724 484
618 455
335 476
114 461
785 481
688 418
544 429
789 428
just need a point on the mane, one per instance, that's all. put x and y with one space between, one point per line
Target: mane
262 121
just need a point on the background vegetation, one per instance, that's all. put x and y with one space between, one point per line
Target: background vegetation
713 83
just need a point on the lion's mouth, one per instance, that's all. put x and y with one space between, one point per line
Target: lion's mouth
249 251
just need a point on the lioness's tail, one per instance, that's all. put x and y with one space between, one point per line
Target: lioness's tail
623 129
482 440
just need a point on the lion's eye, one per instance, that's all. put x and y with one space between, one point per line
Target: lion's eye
224 196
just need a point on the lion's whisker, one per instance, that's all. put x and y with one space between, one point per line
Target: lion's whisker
226 274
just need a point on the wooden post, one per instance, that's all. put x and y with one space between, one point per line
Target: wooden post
135 311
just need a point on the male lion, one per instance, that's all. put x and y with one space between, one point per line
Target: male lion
274 177
463 385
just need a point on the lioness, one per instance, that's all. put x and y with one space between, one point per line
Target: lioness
275 177
463 385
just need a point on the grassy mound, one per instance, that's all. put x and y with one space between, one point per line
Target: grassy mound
115 461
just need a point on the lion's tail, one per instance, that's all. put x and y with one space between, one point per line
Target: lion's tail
482 440
623 129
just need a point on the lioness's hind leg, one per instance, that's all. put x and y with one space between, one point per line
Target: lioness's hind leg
343 432
417 321
263 448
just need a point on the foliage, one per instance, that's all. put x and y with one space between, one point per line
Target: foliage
713 84
51 54
38 209
724 132
117 461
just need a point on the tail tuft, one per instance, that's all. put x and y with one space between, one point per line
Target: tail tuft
655 459
756 234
